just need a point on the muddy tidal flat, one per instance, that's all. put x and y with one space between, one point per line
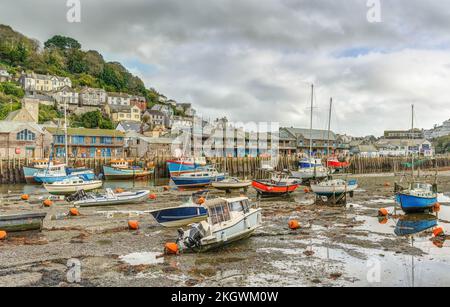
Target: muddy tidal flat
335 246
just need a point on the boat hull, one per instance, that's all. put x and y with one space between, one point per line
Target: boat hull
273 190
240 230
415 223
72 188
22 222
180 216
193 182
112 173
414 204
309 173
50 179
333 191
121 199
177 168
221 185
28 173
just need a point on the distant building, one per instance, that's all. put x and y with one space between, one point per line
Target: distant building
92 97
43 83
186 108
88 143
319 139
139 101
150 147
127 126
4 75
155 118
23 140
365 151
119 99
404 134
438 131
119 113
404 147
28 113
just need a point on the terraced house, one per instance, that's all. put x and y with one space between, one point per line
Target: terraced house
43 83
88 143
118 113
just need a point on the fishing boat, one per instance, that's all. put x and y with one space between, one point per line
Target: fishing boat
185 165
72 185
334 187
30 171
229 220
286 178
271 188
418 196
198 178
334 163
231 184
22 222
82 172
180 216
121 173
83 199
51 174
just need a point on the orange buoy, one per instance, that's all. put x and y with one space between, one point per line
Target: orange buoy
201 201
119 190
133 225
25 197
437 207
3 235
74 212
306 190
294 224
438 231
383 212
152 196
387 184
166 188
171 248
47 203
383 220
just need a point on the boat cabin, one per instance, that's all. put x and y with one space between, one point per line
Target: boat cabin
222 210
119 163
40 163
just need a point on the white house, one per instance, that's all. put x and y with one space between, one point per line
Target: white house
119 99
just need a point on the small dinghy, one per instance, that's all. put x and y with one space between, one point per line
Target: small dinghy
72 185
229 220
231 184
269 188
419 197
82 199
22 222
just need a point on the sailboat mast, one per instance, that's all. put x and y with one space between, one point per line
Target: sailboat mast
65 132
311 122
329 128
412 131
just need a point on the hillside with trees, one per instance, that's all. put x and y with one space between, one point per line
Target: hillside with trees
63 56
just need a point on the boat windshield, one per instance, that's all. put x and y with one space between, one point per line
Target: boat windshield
239 206
422 186
219 213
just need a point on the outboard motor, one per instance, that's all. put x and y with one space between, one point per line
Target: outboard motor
81 194
196 233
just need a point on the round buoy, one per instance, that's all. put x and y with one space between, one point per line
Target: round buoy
294 224
166 188
306 190
74 212
437 207
387 184
383 212
119 190
201 201
152 196
25 197
47 203
133 225
171 248
438 231
3 235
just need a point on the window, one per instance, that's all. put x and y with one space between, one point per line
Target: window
105 140
93 140
59 139
77 139
26 135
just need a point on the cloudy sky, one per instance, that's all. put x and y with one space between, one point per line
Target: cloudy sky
253 60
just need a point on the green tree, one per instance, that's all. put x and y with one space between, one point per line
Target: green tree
9 88
62 42
94 119
48 113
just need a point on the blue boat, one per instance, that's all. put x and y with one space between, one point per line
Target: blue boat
414 223
178 167
180 216
198 179
420 197
309 163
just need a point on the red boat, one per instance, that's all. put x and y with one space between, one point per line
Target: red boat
271 188
336 164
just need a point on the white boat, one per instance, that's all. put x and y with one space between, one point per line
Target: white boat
229 220
285 178
72 185
334 187
311 173
232 184
109 198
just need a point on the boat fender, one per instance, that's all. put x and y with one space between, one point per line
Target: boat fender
3 235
